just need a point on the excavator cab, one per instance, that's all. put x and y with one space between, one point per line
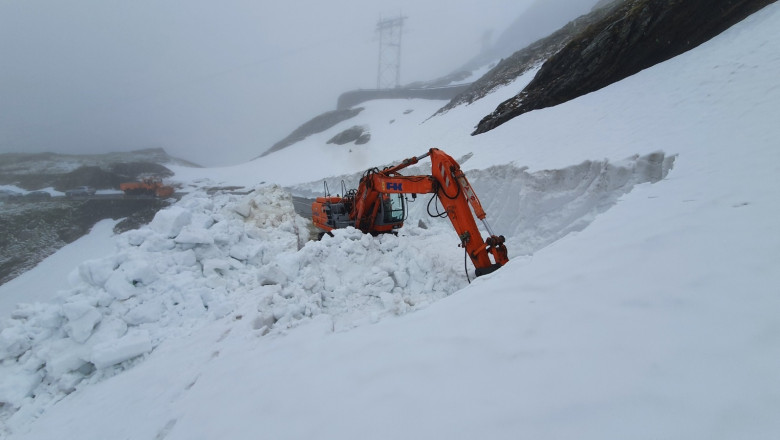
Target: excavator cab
330 213
392 210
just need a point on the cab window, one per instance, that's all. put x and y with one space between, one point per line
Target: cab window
392 208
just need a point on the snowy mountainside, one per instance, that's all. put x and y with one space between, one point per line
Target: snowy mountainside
647 309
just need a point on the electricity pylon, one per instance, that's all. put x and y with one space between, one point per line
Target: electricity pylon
389 71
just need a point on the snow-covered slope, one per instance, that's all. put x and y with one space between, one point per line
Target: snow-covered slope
641 299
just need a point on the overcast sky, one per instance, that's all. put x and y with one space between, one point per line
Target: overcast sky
213 82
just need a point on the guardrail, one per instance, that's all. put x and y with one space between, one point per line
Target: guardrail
354 97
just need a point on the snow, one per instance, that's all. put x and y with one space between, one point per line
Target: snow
53 192
112 352
15 189
51 275
640 300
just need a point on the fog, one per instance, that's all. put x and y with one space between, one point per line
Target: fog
216 83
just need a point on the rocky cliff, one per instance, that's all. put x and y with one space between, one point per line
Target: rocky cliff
632 36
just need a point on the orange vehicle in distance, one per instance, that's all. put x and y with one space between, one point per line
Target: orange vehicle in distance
148 186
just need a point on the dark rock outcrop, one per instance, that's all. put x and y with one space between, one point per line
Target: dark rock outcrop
538 20
357 134
605 3
635 35
316 125
508 69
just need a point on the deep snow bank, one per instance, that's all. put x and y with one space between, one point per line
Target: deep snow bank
207 257
185 268
534 209
201 260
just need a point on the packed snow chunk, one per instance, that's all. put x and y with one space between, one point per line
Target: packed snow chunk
76 308
198 202
378 281
188 303
110 328
118 286
133 272
17 384
133 344
215 266
157 243
271 274
122 284
215 300
38 315
194 235
14 341
271 207
62 356
148 311
139 271
68 381
169 222
82 318
185 259
97 272
137 237
401 278
245 249
81 329
243 208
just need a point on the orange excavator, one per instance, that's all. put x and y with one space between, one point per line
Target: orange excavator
378 206
148 186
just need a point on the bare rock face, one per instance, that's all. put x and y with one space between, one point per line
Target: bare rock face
635 35
605 3
314 126
357 134
527 58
